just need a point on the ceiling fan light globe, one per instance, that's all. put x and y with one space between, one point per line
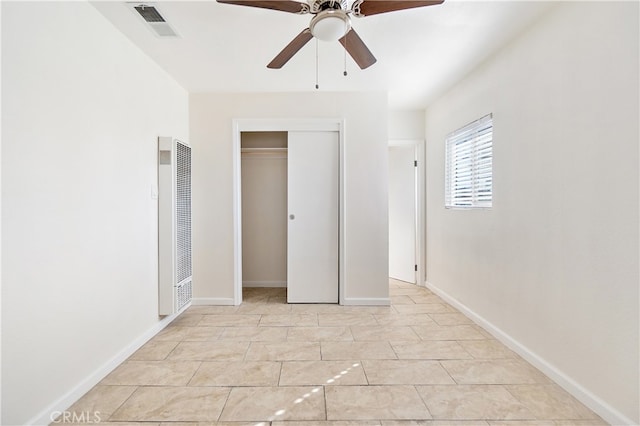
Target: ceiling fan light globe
330 25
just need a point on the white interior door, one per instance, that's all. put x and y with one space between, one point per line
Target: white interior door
312 232
402 213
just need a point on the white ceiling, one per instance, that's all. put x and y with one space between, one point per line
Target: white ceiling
421 52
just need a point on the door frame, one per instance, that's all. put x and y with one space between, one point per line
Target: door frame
283 125
420 226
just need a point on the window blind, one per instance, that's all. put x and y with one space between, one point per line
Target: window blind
469 165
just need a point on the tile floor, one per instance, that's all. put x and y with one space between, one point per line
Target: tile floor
417 362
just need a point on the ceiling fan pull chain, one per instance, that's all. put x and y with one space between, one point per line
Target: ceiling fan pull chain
317 85
345 49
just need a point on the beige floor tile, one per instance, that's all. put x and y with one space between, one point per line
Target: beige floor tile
426 298
432 349
255 334
393 283
261 291
319 334
434 423
186 319
187 404
403 319
487 349
90 418
473 402
401 300
595 422
209 351
493 372
196 334
482 331
274 403
265 308
551 402
154 350
452 318
382 309
210 424
283 351
317 308
374 403
259 296
405 372
522 423
356 350
453 332
211 310
203 334
346 319
338 373
237 373
405 291
289 320
101 400
150 373
424 308
383 333
172 334
328 423
227 320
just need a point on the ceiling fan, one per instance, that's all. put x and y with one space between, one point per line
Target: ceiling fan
331 21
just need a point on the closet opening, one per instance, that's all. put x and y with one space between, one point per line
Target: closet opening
264 210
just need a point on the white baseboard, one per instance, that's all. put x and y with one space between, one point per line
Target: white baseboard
264 283
600 407
366 301
68 399
212 301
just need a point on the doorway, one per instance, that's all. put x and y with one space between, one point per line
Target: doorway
406 198
264 209
314 245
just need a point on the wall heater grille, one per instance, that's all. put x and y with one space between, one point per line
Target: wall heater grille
174 225
183 212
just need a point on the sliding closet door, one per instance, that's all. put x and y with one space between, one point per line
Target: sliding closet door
312 233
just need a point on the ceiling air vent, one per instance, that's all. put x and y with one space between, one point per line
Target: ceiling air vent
149 13
154 20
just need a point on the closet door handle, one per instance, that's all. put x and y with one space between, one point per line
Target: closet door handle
292 216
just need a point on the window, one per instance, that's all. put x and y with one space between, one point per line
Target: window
469 166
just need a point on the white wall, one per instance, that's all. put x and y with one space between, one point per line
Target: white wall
366 245
554 263
81 111
264 211
406 124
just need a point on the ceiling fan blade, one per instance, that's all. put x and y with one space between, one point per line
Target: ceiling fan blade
282 5
373 7
357 49
291 49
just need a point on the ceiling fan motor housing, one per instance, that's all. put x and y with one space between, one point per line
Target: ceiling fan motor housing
318 6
